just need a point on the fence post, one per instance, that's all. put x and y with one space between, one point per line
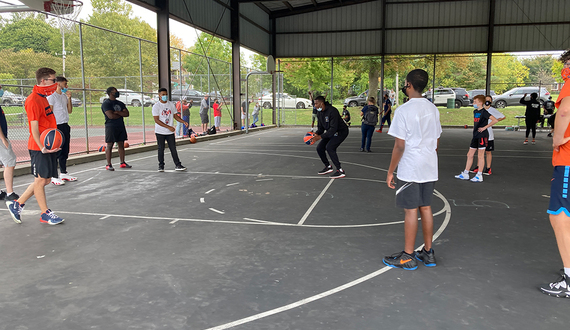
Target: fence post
83 87
142 91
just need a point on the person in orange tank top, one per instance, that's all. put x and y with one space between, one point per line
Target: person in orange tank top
559 208
43 161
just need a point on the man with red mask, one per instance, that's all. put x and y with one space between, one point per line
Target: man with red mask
43 161
559 208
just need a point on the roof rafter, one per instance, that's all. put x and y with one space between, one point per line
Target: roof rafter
313 7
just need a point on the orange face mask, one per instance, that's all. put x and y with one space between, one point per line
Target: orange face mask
46 90
565 74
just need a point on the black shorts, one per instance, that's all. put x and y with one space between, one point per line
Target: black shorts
115 134
479 143
490 145
411 195
559 201
204 118
43 165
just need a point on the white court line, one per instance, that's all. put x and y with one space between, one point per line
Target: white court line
242 137
232 184
334 290
209 191
315 203
173 221
264 180
217 211
202 200
105 217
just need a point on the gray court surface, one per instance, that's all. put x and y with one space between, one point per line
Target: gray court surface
250 237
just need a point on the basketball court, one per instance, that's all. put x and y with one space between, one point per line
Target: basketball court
250 237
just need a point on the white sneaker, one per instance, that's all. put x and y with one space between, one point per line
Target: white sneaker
57 181
66 177
477 178
462 176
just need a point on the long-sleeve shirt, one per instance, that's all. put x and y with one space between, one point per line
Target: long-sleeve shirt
329 122
532 108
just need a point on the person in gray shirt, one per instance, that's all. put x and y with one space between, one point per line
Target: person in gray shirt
204 106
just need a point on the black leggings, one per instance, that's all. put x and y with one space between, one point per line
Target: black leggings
63 154
161 139
330 145
531 125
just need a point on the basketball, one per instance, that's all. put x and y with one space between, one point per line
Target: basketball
308 137
193 138
126 144
52 138
466 126
102 148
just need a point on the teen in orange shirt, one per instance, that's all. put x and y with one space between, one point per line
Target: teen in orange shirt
44 162
559 208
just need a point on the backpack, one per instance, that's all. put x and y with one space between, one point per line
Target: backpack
371 116
212 130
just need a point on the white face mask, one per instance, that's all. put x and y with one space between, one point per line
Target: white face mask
319 109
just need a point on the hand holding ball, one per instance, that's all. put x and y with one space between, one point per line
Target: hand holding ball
308 139
52 139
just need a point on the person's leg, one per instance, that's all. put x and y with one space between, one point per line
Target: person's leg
528 127
331 147
369 133
172 146
184 128
533 130
469 161
63 154
40 193
109 152
561 226
9 179
410 229
160 142
178 128
489 155
321 147
363 130
121 147
427 225
480 159
388 119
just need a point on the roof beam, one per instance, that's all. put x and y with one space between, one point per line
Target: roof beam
312 8
286 3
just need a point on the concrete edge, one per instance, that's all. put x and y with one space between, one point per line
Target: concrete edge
24 169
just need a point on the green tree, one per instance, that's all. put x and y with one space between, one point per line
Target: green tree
540 68
28 31
507 72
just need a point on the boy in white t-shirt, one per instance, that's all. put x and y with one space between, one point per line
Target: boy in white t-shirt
164 113
491 145
417 129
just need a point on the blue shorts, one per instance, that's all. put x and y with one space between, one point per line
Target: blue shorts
559 191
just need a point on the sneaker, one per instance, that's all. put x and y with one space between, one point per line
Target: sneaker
379 131
326 170
12 197
161 168
361 149
51 218
67 177
57 182
477 178
2 195
338 174
533 142
109 168
368 150
475 170
125 165
525 142
462 176
487 171
559 288
549 135
428 258
15 210
180 168
401 260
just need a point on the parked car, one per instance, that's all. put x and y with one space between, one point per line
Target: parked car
474 92
288 101
10 98
443 93
130 97
513 96
190 94
76 102
362 99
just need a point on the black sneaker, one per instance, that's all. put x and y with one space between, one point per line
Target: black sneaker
2 195
180 168
428 258
361 149
326 170
12 197
401 260
125 165
338 174
487 171
559 288
161 168
368 150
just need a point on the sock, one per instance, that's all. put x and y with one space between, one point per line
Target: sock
465 171
567 271
10 194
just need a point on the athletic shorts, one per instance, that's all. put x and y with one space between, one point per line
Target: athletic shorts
43 165
490 145
479 143
7 155
204 118
115 134
217 121
242 115
559 201
314 116
411 195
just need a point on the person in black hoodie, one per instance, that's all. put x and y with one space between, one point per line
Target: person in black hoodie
332 131
532 115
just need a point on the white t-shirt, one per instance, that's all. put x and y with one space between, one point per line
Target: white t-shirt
165 113
417 123
497 114
59 104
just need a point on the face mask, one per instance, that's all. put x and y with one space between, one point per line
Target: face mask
47 90
475 106
1 92
117 94
319 109
565 74
404 90
164 98
487 103
64 90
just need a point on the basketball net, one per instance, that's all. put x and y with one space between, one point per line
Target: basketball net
66 12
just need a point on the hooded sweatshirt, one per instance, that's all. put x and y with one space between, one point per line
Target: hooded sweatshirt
329 122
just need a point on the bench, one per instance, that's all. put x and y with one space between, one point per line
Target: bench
516 128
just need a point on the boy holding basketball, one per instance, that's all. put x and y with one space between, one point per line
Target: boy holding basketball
43 161
417 129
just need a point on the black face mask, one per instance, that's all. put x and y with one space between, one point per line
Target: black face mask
404 89
117 94
487 103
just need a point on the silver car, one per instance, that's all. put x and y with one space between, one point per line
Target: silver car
513 96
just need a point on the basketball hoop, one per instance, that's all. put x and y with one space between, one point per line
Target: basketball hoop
66 11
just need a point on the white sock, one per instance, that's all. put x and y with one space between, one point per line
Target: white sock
567 271
10 194
465 171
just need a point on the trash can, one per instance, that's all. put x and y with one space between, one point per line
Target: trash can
451 103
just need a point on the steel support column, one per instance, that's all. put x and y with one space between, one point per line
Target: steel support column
163 38
236 74
490 37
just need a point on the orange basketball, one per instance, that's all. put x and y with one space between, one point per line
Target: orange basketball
193 138
126 144
52 138
308 137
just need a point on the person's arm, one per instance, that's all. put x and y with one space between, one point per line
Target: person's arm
180 120
160 123
123 113
333 124
4 139
363 110
561 122
397 153
69 105
523 101
112 114
493 122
